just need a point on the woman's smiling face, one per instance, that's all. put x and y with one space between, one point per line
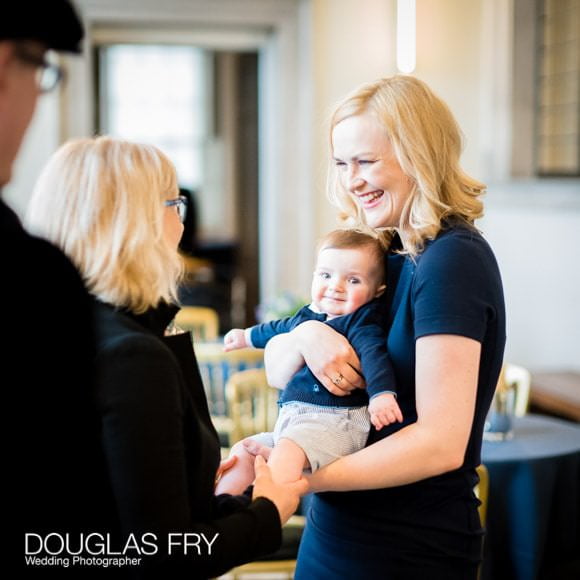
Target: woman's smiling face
369 170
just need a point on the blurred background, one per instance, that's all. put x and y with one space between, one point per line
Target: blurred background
238 94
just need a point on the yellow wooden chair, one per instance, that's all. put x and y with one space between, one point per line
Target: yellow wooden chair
521 379
283 568
201 321
196 270
264 569
482 491
513 389
216 367
252 403
252 409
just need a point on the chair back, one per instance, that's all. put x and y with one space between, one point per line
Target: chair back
519 379
253 408
201 321
252 403
216 366
482 491
196 270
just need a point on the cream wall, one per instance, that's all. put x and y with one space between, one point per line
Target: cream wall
353 42
534 229
41 139
464 53
318 50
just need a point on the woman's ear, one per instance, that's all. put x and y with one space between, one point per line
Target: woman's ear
380 290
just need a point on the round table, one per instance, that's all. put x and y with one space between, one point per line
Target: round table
533 518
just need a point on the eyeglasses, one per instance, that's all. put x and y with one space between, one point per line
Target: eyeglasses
48 74
181 204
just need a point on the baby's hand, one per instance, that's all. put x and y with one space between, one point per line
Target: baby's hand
234 339
384 410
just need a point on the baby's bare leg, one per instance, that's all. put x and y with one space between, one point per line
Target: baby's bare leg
237 479
287 461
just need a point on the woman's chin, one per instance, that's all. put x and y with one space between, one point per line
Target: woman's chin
378 218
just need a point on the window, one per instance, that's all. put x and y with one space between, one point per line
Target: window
558 82
155 94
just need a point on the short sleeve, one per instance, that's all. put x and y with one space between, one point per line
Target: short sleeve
456 287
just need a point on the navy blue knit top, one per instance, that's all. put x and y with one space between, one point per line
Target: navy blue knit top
365 330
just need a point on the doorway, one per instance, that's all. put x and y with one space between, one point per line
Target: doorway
200 106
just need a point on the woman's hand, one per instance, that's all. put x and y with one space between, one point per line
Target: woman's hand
330 357
226 464
327 353
284 496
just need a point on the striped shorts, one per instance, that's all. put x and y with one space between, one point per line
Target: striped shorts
324 433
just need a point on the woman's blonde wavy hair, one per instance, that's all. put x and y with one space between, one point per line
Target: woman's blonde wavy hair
427 142
101 201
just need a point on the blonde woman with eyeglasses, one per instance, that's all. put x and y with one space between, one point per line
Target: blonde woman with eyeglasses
114 209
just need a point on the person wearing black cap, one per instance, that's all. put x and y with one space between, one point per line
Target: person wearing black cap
60 485
46 325
28 30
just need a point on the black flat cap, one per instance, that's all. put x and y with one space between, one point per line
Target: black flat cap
54 23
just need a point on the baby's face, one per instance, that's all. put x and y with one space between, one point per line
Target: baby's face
344 280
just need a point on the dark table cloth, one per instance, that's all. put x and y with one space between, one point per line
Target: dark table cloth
533 518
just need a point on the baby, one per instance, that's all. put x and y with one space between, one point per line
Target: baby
314 426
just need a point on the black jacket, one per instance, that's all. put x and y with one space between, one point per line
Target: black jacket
57 478
52 460
163 451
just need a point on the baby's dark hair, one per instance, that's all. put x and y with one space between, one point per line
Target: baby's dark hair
348 239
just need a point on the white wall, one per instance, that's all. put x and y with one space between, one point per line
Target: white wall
353 42
464 53
319 50
40 141
534 229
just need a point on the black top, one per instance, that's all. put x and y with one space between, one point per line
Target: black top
54 461
141 460
163 451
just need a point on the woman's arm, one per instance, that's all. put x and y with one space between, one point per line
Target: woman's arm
143 436
327 353
446 385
